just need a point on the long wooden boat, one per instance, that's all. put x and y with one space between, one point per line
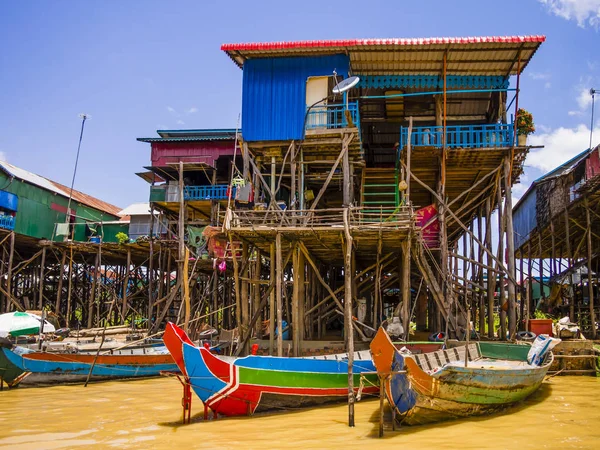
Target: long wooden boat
243 386
66 367
439 386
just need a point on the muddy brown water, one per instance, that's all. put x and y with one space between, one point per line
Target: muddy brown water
563 414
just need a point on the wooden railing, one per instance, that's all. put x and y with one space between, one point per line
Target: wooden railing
460 136
320 218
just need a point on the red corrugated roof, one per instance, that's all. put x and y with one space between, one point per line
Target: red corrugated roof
484 55
283 45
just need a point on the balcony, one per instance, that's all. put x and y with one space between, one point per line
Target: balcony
334 116
460 136
210 192
7 222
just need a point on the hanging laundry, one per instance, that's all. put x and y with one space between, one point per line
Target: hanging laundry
62 229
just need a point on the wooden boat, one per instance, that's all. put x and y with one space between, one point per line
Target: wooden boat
439 386
60 367
243 386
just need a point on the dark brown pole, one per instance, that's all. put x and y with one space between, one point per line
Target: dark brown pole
589 268
348 317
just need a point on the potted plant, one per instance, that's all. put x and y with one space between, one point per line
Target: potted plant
524 126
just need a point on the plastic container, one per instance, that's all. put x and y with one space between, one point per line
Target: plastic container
541 326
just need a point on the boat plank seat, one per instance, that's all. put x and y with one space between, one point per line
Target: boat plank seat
433 360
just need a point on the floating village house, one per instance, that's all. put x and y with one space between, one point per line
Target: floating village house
340 197
370 196
557 238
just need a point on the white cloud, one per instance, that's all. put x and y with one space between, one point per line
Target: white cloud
539 75
584 98
560 145
3 156
171 109
192 110
584 12
547 85
180 122
575 113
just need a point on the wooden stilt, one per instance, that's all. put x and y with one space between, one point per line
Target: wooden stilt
278 293
61 276
41 279
510 246
589 268
272 299
348 317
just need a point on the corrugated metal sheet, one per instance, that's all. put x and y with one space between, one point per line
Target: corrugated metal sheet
524 217
136 209
489 55
206 152
274 94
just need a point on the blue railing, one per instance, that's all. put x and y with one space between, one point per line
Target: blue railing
460 136
7 222
210 192
332 116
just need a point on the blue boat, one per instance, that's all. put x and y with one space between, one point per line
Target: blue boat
60 367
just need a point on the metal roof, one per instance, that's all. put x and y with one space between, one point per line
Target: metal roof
58 188
136 209
487 55
221 134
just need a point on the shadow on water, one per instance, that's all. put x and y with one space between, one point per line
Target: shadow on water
284 412
537 397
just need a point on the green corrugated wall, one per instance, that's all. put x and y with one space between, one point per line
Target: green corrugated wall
36 218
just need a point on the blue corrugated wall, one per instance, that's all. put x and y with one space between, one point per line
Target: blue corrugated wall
524 218
274 94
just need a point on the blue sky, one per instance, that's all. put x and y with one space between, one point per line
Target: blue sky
138 66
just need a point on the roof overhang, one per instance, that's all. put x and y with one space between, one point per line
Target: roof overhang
487 55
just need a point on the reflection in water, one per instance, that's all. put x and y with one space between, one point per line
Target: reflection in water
563 414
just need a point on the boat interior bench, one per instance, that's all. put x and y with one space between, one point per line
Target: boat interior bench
433 360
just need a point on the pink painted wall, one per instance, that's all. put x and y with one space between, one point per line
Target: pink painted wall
164 153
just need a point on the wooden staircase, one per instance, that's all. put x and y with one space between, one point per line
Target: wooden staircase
380 189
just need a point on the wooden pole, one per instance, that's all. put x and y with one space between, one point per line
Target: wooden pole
92 295
245 296
510 246
589 268
408 152
570 265
126 284
256 293
61 275
278 293
406 288
236 279
491 276
11 254
151 268
272 299
185 286
295 308
41 280
501 224
301 298
348 317
346 176
181 235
